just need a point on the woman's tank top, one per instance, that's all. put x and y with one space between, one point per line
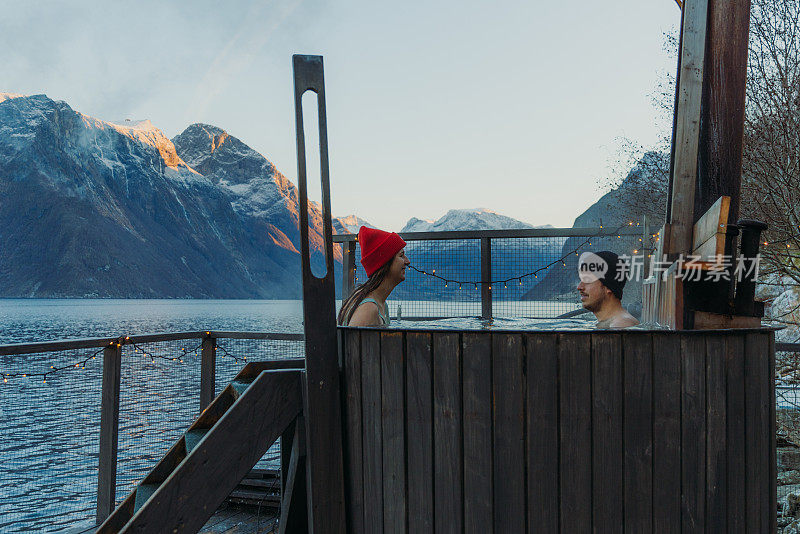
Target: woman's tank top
384 318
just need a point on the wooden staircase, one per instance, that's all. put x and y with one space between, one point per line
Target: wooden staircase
218 450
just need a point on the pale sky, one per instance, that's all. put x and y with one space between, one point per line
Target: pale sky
513 106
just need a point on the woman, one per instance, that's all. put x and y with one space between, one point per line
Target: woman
385 261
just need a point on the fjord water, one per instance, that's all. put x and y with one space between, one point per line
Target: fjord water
49 443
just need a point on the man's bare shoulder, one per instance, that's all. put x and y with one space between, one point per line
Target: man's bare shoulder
623 320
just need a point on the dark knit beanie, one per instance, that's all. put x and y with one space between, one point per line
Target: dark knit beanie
617 274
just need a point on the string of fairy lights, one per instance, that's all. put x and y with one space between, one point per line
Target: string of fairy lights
535 273
80 364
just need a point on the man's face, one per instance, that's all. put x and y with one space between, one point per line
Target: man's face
592 294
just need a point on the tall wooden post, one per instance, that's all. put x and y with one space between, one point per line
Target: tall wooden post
348 268
323 418
722 118
486 278
686 132
109 429
208 365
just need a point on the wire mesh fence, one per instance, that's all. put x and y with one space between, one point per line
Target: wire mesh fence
50 440
530 277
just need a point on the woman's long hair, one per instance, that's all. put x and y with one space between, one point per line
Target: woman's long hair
360 293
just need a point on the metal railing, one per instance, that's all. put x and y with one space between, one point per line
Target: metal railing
76 441
528 273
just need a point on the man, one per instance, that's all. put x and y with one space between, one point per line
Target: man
602 278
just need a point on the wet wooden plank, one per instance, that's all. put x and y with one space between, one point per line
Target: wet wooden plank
353 467
542 433
419 428
574 352
666 433
477 406
735 432
693 433
758 395
638 432
607 450
716 443
394 480
508 386
447 433
372 438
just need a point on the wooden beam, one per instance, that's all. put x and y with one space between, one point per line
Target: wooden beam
687 126
324 456
294 518
486 277
722 117
109 431
208 365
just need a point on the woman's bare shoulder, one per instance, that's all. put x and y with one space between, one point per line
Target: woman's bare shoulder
366 314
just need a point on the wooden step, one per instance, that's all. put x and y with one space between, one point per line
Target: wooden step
193 437
143 492
240 386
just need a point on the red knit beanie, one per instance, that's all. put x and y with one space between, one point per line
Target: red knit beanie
378 247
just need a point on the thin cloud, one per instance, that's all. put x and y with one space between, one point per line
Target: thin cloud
239 52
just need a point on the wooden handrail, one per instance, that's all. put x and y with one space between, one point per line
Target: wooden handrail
99 342
507 234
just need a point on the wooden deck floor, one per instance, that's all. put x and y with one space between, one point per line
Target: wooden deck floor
232 519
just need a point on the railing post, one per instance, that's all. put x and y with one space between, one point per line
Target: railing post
208 371
486 278
109 428
348 268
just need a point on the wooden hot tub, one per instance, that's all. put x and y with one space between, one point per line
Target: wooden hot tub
487 431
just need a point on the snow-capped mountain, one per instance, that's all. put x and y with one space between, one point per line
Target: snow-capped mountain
116 209
467 219
349 224
460 260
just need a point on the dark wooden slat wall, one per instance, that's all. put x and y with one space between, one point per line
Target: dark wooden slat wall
477 413
419 430
559 432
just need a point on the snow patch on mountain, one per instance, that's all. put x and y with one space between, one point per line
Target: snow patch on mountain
467 219
349 224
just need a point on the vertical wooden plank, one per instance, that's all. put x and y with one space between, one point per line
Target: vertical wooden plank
722 122
638 432
486 277
735 434
348 268
447 433
693 432
542 433
683 177
109 431
508 386
372 438
716 422
208 366
353 467
419 428
477 406
607 450
287 442
758 389
575 401
394 469
772 476
666 433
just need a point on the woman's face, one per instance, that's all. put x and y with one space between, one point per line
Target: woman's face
397 271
